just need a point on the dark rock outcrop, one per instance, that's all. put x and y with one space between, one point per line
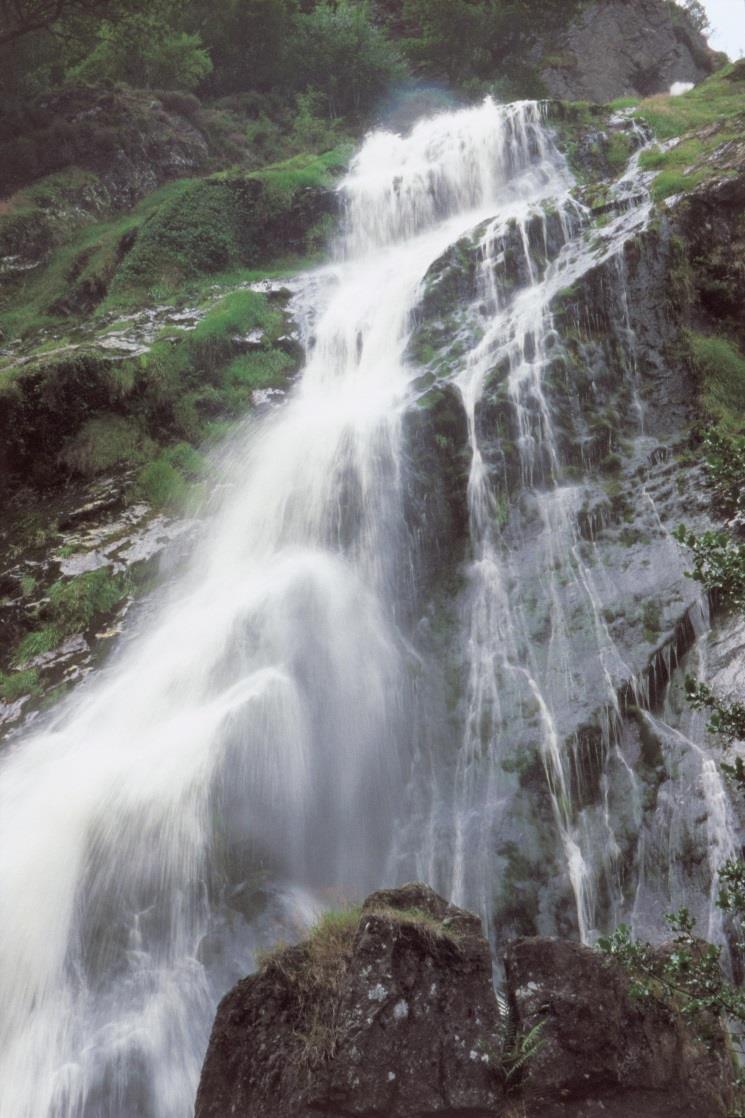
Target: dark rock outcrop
402 1022
408 1025
604 1052
133 139
617 48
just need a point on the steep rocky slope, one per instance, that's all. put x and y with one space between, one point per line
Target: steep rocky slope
616 49
626 389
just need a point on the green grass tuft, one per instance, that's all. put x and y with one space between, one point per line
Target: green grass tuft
37 643
17 684
721 366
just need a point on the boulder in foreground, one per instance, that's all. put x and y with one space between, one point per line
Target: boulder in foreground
389 1011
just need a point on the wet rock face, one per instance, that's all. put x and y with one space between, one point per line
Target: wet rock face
603 1052
615 49
416 1030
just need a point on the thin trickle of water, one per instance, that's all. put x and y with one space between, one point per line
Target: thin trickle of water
262 743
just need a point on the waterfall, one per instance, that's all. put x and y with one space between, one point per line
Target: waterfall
260 743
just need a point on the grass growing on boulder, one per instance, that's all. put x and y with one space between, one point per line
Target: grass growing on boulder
678 166
315 969
714 110
229 220
78 272
37 643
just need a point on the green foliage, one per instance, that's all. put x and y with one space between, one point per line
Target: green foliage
688 976
74 605
524 1048
236 313
223 222
623 103
37 643
725 462
677 166
166 481
727 720
78 274
104 442
17 684
715 101
341 53
651 620
455 39
76 602
251 371
718 563
618 151
144 50
721 367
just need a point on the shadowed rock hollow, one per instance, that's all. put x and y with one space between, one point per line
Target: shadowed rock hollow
389 1011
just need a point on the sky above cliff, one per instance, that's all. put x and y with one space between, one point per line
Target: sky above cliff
728 22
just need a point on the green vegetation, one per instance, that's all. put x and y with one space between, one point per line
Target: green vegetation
718 100
104 442
677 167
166 482
169 245
689 977
73 607
651 621
315 970
714 110
721 367
17 684
78 273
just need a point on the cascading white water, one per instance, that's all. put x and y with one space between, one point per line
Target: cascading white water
252 746
255 726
